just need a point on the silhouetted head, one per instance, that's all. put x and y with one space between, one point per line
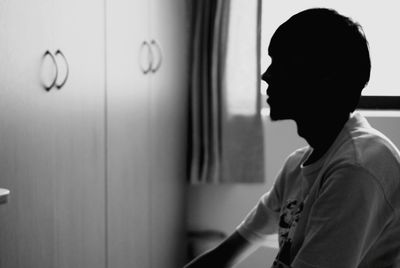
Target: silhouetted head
320 64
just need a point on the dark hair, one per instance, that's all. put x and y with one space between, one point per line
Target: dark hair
331 42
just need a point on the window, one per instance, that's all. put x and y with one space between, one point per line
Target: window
378 19
242 71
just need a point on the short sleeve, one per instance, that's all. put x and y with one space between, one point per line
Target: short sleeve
346 218
262 220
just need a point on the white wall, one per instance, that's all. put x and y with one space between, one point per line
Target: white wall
222 207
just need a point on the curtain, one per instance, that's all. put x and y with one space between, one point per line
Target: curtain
225 142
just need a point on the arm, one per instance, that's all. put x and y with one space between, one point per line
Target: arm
233 249
261 221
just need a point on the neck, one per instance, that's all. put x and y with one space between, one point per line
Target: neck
320 134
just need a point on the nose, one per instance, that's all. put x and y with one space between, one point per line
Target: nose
266 76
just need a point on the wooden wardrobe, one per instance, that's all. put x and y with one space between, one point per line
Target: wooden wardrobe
93 111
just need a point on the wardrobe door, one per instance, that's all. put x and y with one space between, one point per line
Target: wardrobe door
168 139
128 66
26 141
79 128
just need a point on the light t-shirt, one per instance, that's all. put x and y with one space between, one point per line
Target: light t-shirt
341 211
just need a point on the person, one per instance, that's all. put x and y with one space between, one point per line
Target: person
336 202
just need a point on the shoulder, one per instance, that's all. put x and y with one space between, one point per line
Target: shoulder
369 152
370 149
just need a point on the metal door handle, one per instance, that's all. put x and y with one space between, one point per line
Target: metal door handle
60 85
147 69
48 87
155 44
4 193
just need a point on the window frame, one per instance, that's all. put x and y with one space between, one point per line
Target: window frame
372 102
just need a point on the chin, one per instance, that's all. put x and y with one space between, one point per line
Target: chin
276 116
273 117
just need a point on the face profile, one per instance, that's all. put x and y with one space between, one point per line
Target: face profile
319 65
288 86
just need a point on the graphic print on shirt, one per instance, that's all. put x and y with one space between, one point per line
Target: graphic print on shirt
288 220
